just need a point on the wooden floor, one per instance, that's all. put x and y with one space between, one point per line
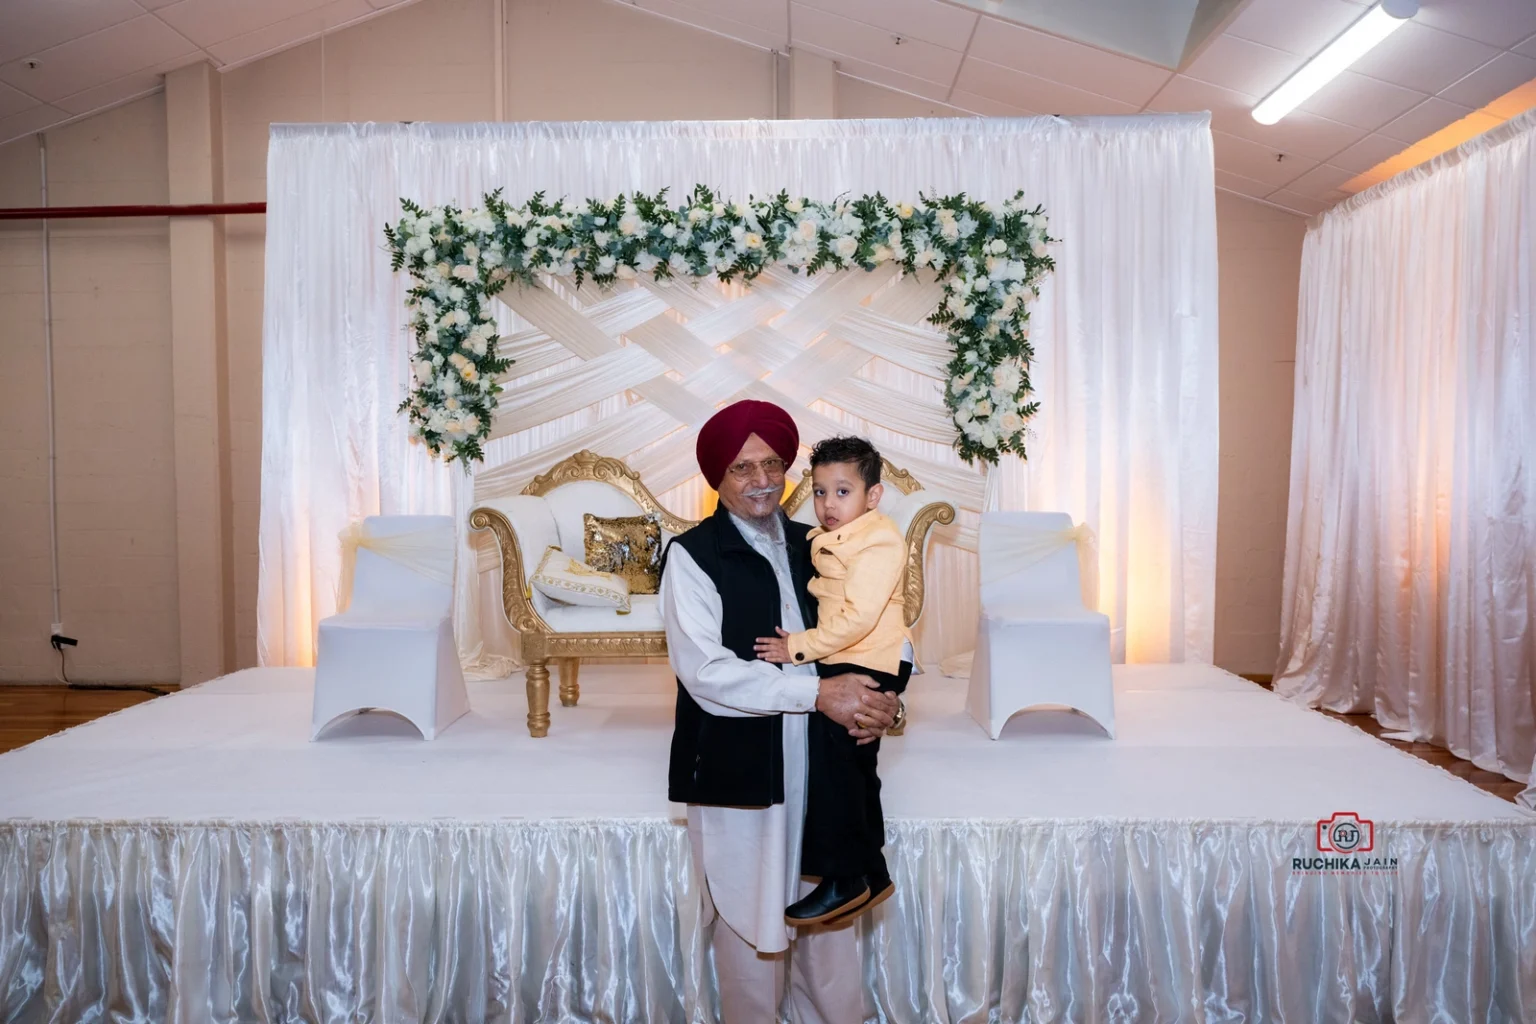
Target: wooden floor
28 713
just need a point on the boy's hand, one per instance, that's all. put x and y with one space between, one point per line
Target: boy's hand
774 648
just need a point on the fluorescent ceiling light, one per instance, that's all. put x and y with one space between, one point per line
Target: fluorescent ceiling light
1379 22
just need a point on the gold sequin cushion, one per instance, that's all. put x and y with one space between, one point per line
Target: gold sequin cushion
629 546
560 577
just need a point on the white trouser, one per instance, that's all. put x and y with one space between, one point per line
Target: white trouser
826 979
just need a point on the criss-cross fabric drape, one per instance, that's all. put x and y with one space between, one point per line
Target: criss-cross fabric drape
1410 567
1124 333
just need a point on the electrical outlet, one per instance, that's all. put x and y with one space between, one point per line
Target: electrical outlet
56 629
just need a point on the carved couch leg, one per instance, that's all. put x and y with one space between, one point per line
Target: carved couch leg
570 684
538 698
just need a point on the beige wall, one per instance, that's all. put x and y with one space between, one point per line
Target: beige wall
112 368
1259 250
435 60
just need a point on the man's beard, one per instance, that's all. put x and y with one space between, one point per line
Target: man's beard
764 522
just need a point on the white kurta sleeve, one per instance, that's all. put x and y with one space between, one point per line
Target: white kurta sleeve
722 683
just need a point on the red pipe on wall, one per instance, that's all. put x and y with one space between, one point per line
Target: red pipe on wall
86 212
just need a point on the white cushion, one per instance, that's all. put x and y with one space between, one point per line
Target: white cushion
569 502
565 579
644 617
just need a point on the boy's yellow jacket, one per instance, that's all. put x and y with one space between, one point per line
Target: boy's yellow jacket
860 592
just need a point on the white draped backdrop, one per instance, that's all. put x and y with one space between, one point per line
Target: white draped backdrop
1410 570
1124 332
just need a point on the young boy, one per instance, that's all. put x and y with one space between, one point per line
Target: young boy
861 560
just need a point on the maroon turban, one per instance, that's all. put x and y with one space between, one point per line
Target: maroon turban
720 439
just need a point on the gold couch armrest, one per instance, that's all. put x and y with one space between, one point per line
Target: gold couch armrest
942 513
515 598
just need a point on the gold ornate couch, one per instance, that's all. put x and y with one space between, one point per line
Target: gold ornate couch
549 513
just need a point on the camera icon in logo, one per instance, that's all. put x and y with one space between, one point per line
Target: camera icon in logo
1346 832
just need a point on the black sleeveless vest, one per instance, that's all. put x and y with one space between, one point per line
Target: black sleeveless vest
736 762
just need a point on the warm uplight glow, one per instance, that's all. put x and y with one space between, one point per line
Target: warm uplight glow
1379 22
1512 104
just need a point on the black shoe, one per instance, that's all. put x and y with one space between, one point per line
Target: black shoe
832 898
880 889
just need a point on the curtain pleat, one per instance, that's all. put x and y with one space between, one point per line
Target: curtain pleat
1410 567
599 921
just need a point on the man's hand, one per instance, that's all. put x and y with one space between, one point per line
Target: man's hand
854 701
774 648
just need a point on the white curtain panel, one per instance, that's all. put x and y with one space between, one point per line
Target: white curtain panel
1124 332
1410 567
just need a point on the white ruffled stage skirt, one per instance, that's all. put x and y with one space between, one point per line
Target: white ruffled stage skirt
598 921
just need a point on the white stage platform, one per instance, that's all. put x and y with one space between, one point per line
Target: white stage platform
198 855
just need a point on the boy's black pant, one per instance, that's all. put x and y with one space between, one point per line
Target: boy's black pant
844 826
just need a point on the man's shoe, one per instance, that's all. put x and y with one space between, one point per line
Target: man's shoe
834 897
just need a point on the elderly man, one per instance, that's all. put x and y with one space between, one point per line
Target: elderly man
739 746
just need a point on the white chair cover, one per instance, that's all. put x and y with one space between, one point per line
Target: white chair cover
1040 639
392 647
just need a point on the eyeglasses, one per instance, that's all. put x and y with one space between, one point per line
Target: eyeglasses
747 470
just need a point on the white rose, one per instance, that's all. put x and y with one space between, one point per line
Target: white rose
422 370
740 210
718 210
456 294
452 404
883 253
794 206
668 230
531 237
697 214
996 247
738 232
471 423
630 224
807 229
516 219
464 272
471 252
904 211
846 246
949 229
1011 422
983 409
924 257
444 269
753 240
477 345
601 239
